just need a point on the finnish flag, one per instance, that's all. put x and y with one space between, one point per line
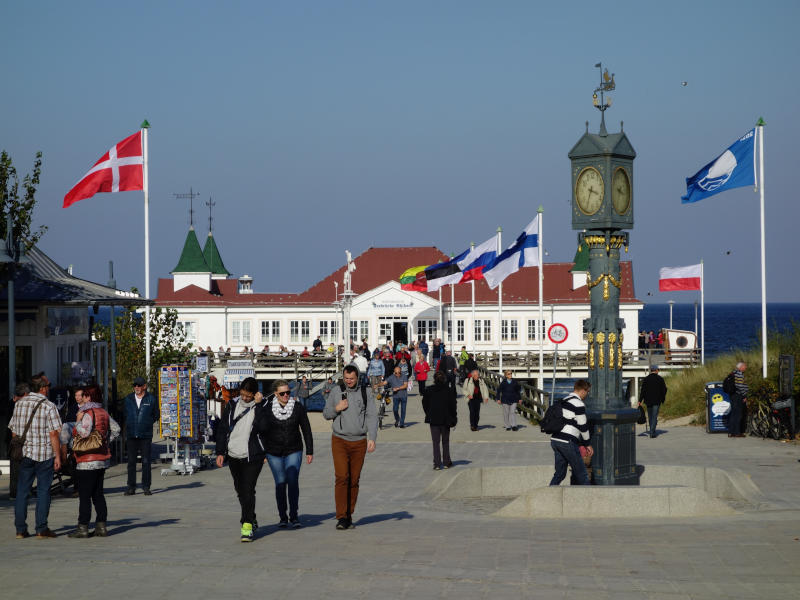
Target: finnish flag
524 252
733 168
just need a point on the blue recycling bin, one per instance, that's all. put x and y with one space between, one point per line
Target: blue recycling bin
718 407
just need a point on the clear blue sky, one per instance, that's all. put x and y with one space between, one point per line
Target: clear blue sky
323 126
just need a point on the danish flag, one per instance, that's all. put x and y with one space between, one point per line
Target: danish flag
118 170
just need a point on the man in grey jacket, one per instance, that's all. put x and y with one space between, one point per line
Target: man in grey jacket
355 429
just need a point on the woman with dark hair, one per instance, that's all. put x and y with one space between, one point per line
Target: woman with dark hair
286 419
93 461
240 438
439 404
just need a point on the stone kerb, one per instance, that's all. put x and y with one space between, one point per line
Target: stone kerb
664 491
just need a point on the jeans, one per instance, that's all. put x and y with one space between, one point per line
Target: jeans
568 454
474 412
399 408
286 473
735 416
245 476
652 418
89 484
441 432
43 472
348 459
142 446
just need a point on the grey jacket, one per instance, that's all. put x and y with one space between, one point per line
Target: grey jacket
357 421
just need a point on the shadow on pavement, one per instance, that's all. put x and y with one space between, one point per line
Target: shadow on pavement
123 525
307 520
397 516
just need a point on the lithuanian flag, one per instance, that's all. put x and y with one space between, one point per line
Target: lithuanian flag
414 279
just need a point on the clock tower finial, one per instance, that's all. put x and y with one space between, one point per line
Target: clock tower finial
606 85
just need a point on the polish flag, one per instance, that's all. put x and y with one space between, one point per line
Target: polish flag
118 170
680 278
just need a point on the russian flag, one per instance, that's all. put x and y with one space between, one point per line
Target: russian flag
672 279
476 259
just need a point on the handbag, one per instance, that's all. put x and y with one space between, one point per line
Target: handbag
15 447
642 416
89 444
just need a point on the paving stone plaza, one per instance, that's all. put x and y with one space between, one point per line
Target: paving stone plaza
183 542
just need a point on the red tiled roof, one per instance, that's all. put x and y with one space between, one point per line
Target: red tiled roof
376 266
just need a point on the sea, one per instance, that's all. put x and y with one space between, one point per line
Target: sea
728 326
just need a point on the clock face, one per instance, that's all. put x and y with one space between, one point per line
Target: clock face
589 190
621 191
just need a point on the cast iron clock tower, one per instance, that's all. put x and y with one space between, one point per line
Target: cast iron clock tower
602 207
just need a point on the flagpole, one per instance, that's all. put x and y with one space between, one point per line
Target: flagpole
145 186
472 245
760 129
453 325
702 314
541 300
441 316
500 297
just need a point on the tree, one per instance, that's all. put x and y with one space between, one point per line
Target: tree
167 345
20 209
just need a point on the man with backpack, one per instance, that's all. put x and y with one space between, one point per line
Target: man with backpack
573 433
737 390
351 407
653 394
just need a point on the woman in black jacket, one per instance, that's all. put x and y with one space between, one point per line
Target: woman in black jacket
240 438
286 419
439 404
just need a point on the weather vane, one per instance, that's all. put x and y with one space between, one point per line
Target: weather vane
606 85
191 196
210 204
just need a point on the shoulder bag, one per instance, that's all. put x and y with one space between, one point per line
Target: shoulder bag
89 444
15 450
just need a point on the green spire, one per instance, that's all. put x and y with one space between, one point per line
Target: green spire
581 259
191 260
212 257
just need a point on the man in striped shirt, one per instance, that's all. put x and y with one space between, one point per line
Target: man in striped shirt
574 433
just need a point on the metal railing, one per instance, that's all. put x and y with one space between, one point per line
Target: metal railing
534 401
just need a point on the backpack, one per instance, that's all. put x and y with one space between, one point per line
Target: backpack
553 419
729 384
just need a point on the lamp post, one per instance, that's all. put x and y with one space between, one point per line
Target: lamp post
10 256
670 302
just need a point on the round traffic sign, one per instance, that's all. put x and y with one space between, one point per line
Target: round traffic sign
557 333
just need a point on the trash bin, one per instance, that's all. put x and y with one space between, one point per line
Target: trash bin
718 407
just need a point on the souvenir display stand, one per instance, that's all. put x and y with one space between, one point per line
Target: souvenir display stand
183 418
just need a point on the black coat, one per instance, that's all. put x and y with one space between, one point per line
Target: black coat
439 404
282 438
654 390
255 445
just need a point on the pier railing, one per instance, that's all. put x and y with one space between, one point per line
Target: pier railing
534 400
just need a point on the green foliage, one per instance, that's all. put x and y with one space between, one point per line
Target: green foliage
686 394
21 209
167 345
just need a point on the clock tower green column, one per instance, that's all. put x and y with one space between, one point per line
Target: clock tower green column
602 207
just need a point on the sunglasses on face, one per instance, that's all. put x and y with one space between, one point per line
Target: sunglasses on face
283 393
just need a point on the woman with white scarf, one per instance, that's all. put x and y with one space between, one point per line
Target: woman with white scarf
286 420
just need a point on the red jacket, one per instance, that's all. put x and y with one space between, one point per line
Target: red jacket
101 424
421 370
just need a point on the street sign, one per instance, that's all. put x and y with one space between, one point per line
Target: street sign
557 333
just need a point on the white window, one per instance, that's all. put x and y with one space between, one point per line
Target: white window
305 331
509 330
354 330
460 330
364 330
294 331
449 330
270 331
483 330
426 329
334 332
324 332
532 329
189 329
240 332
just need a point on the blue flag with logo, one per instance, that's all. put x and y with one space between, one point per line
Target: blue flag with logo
733 168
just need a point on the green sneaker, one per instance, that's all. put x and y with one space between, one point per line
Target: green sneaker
247 532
